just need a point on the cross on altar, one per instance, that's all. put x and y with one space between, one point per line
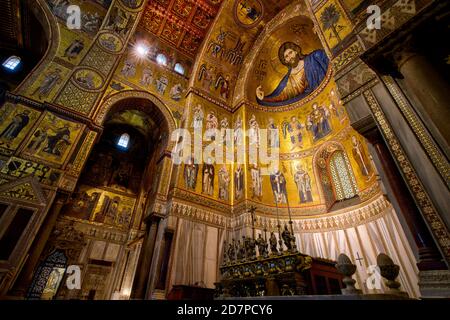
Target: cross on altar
359 258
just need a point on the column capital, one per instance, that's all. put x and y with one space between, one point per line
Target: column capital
153 217
401 53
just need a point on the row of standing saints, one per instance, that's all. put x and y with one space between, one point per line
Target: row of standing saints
277 180
317 122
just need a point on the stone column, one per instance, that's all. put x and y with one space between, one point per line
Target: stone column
25 278
426 85
145 258
429 256
152 271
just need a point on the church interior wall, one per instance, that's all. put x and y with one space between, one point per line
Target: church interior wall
72 95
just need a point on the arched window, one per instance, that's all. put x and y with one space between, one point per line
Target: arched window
343 180
161 59
179 68
12 63
124 141
335 175
48 276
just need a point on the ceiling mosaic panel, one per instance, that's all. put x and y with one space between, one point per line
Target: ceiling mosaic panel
181 23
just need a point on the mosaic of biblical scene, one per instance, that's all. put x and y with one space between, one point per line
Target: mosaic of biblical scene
161 76
119 21
15 122
110 42
116 169
92 12
53 139
48 83
94 204
88 79
73 45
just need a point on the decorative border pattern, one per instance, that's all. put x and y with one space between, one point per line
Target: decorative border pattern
75 168
206 203
96 230
350 53
438 159
355 79
358 92
207 216
208 98
335 221
420 195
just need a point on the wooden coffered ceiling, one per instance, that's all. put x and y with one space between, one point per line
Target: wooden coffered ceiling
181 23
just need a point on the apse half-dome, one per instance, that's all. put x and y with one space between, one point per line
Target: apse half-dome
291 68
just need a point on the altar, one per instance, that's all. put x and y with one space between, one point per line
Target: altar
283 274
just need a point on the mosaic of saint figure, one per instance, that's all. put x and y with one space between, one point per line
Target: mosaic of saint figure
278 182
119 21
212 125
190 174
303 182
197 122
224 183
318 122
161 85
225 88
58 141
253 132
147 77
208 178
74 49
18 123
238 131
224 125
273 135
129 69
51 79
294 128
304 75
86 80
239 182
361 157
256 181
176 92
